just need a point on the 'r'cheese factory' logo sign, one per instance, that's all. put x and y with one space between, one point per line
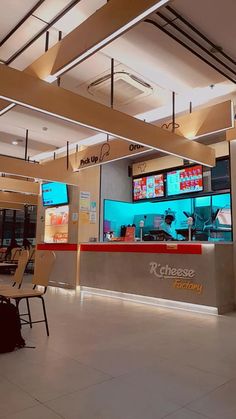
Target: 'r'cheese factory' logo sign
183 278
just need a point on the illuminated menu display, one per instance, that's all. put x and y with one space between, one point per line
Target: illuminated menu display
148 187
54 193
185 180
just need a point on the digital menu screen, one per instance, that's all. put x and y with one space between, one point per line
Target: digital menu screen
185 180
148 187
54 193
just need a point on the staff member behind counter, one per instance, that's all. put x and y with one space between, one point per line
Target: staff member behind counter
166 225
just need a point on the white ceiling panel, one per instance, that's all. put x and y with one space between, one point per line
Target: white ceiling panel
11 13
88 69
78 14
18 150
26 32
36 145
50 8
214 18
35 50
57 132
159 58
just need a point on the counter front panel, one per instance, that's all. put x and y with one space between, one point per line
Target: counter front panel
193 273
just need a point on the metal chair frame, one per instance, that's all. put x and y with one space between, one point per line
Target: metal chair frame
28 314
43 267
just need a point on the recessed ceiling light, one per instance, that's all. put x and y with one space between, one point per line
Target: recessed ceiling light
45 128
17 141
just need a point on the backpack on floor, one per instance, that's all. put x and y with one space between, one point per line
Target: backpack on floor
10 327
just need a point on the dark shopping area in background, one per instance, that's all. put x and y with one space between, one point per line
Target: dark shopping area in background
17 224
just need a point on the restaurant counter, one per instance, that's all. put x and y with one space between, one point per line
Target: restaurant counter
195 276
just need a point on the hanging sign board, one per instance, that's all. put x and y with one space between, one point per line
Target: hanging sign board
204 121
155 165
104 153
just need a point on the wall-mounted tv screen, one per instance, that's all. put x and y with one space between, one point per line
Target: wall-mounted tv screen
220 175
185 180
54 193
148 187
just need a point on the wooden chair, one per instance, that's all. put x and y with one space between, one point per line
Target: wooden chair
18 276
43 268
2 253
15 254
30 265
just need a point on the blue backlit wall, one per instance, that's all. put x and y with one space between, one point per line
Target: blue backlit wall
118 213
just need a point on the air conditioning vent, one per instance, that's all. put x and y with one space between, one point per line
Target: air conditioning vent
127 88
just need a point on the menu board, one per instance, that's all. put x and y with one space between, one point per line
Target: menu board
148 187
185 180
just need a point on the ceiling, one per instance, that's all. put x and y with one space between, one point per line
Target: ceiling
151 54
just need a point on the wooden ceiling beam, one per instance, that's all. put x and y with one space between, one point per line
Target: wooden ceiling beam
22 186
55 171
11 205
102 27
18 198
28 91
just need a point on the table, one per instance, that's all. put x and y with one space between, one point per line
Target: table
4 264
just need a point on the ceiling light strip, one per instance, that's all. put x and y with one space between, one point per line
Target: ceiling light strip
8 108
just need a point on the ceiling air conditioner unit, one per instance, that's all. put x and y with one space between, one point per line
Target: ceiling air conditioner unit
127 88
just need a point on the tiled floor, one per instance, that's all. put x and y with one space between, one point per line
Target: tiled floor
108 359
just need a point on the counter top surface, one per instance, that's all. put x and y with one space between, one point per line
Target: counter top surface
154 243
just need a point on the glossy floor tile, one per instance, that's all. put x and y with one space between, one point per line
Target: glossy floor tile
218 404
38 412
110 359
13 398
185 414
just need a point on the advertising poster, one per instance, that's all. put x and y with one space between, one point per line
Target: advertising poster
92 217
84 217
93 206
84 202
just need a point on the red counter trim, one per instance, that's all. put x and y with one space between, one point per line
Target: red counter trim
182 249
65 247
